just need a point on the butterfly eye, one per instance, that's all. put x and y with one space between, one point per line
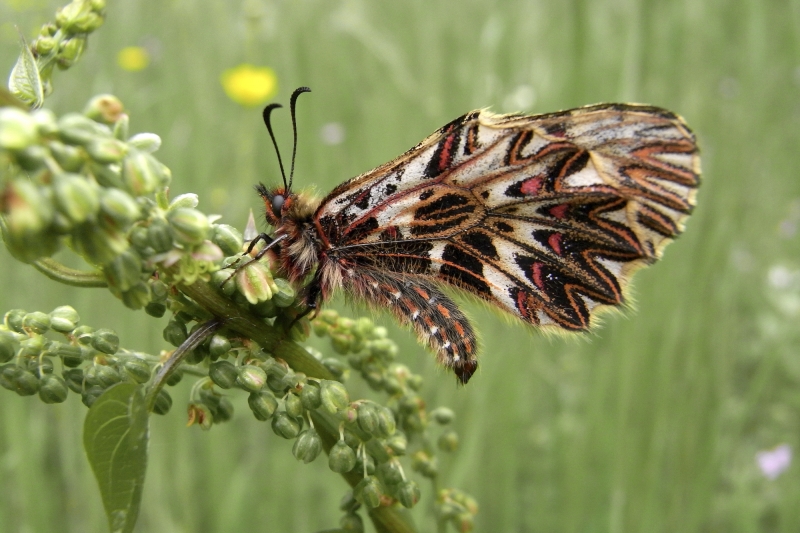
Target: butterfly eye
277 204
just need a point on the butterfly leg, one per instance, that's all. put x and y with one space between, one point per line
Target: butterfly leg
435 318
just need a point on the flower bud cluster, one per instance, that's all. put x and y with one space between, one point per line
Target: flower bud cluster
60 44
81 180
369 352
91 360
458 508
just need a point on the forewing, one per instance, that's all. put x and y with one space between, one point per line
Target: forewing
546 216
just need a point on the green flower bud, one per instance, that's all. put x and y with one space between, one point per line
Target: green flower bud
360 464
159 235
442 415
142 173
163 403
391 473
125 271
223 374
146 142
408 494
352 522
105 175
341 342
107 150
188 200
68 14
251 378
415 382
44 45
222 280
227 238
155 309
137 369
26 383
17 129
75 197
310 396
32 158
384 349
263 404
102 376
334 395
175 377
97 244
121 128
106 109
83 334
189 226
253 282
90 395
64 319
53 389
219 346
68 157
285 295
336 366
119 206
40 366
76 129
28 213
74 379
70 51
285 426
97 5
368 492
8 346
307 447
8 376
175 333
386 423
32 346
367 417
137 296
71 356
341 458
448 441
320 328
425 464
13 320
106 341
293 405
36 322
223 411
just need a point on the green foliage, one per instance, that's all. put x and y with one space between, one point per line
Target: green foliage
115 438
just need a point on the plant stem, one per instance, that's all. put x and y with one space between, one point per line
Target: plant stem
69 276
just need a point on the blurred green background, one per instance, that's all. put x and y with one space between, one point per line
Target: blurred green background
650 424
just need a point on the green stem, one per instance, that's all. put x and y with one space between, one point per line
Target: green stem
393 519
69 276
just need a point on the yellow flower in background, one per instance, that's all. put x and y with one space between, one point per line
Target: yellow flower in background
133 58
249 85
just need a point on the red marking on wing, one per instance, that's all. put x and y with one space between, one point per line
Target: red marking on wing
555 242
559 211
537 275
530 187
444 157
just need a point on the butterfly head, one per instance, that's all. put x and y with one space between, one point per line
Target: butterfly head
277 202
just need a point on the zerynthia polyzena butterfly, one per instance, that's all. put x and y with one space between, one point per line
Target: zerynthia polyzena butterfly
545 216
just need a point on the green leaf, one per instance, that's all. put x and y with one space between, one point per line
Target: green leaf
25 82
115 438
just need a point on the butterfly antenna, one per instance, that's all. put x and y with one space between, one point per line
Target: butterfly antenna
267 112
292 105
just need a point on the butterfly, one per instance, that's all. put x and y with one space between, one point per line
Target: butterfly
546 217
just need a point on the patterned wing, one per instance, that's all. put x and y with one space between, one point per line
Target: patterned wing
545 216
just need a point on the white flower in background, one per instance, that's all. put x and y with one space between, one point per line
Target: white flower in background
332 133
774 462
521 98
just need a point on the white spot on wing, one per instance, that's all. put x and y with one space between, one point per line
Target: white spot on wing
614 267
584 178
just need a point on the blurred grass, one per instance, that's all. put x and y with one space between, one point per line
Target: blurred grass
650 424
